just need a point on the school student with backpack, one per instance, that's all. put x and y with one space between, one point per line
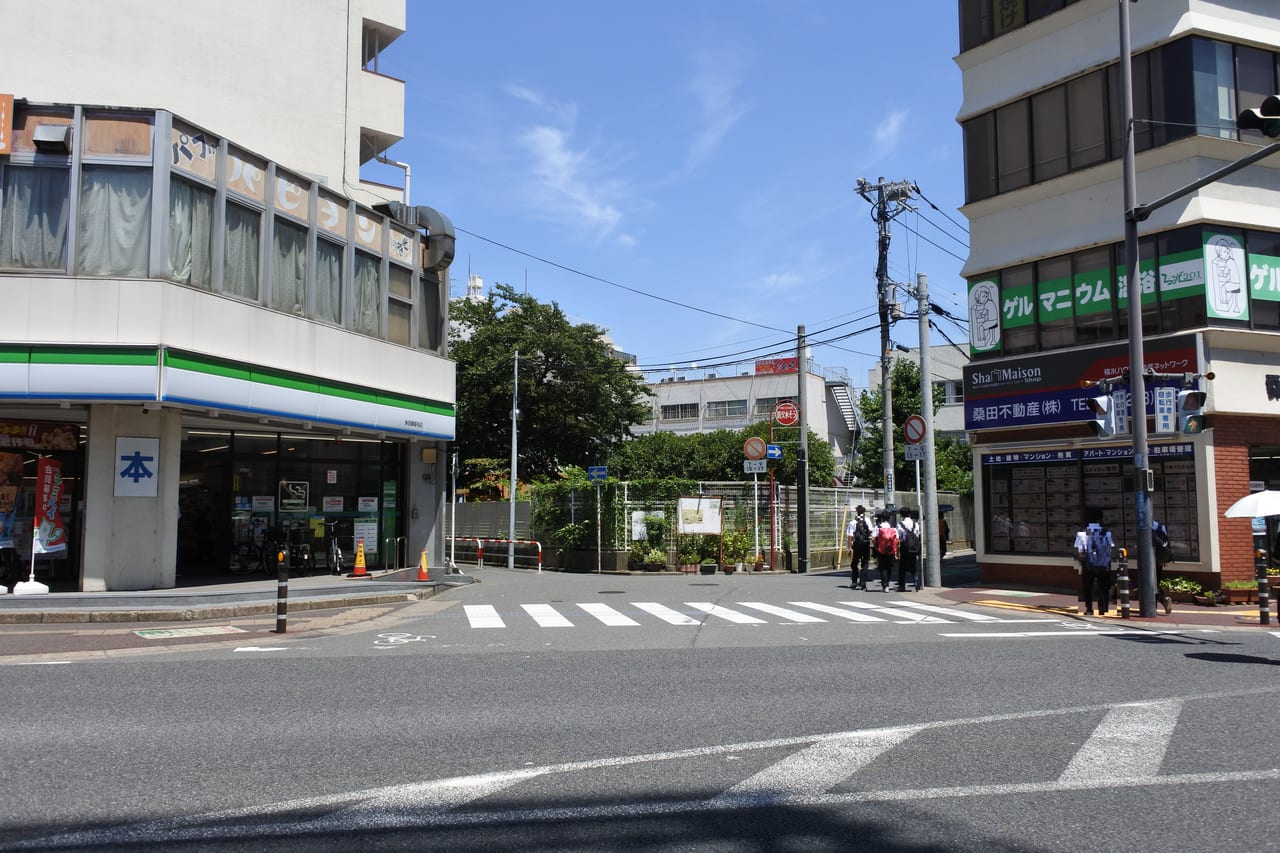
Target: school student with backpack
1094 547
908 550
859 548
885 545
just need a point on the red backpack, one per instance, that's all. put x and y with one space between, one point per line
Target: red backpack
886 540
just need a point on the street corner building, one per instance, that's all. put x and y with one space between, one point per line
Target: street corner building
214 323
1044 141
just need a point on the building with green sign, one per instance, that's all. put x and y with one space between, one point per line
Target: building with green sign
1048 297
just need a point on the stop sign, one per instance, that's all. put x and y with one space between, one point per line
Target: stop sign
786 413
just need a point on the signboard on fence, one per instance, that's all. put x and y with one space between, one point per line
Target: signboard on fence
698 515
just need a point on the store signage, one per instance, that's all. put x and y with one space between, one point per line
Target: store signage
36 435
6 124
1125 451
1047 388
137 466
771 366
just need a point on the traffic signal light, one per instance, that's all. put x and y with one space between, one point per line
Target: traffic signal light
1104 415
1265 118
1189 415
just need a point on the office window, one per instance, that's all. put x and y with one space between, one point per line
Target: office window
328 281
727 409
368 294
1054 309
1087 120
190 233
242 251
115 221
1263 249
1255 80
33 221
399 305
1094 295
1012 139
764 406
1049 131
1179 307
680 412
1215 88
1017 310
289 267
980 157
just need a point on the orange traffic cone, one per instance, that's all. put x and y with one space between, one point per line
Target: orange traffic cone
423 574
359 570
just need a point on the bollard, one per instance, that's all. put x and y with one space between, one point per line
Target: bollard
1264 597
282 593
1122 584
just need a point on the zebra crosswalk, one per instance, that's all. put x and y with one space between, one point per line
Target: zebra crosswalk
697 613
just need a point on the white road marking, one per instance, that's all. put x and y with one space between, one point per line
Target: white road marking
1129 743
262 648
608 615
44 663
784 612
483 616
851 615
725 613
666 614
950 611
904 615
818 768
546 616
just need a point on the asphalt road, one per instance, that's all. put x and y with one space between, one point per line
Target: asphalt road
429 727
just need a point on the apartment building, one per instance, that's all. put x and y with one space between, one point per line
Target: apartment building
212 323
1048 299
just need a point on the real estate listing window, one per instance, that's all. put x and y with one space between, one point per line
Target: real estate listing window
242 251
34 218
289 267
190 257
114 236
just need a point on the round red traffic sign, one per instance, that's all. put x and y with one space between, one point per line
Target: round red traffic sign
755 448
913 429
786 413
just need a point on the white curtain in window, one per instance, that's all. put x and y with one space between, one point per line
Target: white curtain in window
115 221
328 282
33 223
368 295
190 233
243 246
289 273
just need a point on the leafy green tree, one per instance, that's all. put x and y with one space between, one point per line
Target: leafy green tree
716 455
954 462
577 402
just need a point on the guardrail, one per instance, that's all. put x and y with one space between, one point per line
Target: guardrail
537 546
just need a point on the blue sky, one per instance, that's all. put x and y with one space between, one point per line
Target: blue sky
706 152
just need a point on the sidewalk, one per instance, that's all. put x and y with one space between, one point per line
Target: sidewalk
225 600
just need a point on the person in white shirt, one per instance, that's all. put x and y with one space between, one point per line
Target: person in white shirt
908 550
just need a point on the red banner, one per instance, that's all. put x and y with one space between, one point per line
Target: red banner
51 532
765 366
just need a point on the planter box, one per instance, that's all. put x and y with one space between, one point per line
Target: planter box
1207 600
708 568
1239 596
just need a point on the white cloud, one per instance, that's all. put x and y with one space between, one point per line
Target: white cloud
566 187
716 80
889 132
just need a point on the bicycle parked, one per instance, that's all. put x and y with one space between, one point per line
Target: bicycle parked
334 559
298 538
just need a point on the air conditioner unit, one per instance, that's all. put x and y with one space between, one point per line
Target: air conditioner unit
52 138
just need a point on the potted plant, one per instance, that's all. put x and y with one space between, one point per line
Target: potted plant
655 560
636 553
1208 598
687 555
736 546
1239 592
757 561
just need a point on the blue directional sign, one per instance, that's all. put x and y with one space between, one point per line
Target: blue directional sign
595 473
773 451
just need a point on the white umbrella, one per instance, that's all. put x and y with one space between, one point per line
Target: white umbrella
1258 504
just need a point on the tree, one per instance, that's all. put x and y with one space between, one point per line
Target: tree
716 456
953 461
577 402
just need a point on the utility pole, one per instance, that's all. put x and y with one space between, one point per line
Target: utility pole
932 569
515 414
889 201
802 460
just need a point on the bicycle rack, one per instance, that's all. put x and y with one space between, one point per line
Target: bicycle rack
400 548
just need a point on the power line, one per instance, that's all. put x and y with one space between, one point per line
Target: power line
940 210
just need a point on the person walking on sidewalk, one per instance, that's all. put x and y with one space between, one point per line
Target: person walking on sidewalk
908 550
1163 549
859 548
885 544
1093 547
